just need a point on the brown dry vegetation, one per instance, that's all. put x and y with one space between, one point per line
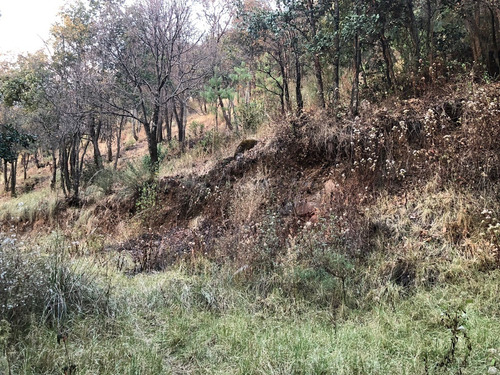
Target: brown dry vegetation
302 172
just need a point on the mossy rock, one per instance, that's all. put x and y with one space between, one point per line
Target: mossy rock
245 145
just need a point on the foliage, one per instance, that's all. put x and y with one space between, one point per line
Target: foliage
147 197
12 141
212 141
250 116
133 178
162 153
46 287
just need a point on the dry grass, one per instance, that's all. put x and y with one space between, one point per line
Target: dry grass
436 232
250 198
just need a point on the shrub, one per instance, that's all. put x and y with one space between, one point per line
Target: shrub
250 116
162 153
133 178
212 141
197 128
147 196
47 287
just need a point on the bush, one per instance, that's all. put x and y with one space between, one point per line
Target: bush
133 178
196 128
212 141
162 153
250 116
147 196
46 287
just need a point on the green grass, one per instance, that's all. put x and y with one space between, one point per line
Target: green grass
29 207
178 322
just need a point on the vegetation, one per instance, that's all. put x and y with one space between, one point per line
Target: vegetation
292 187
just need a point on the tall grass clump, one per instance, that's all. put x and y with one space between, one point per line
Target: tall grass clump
30 207
46 286
133 178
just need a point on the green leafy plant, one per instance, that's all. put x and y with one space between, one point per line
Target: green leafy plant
5 335
147 196
250 116
197 128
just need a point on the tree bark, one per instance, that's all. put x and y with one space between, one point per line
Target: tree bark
355 84
496 53
298 79
6 179
109 145
227 117
336 58
118 142
319 79
25 159
389 71
54 171
413 28
168 122
159 128
13 173
430 40
95 133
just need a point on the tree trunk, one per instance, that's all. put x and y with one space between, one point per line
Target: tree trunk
494 71
355 84
472 23
336 58
168 122
298 79
151 138
63 164
109 145
36 160
319 79
25 159
134 124
118 142
227 117
159 128
389 71
413 28
13 172
54 171
5 176
94 135
179 119
75 168
430 41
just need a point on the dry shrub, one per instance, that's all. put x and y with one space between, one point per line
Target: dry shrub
432 235
248 198
458 136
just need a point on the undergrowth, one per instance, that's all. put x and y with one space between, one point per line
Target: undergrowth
202 318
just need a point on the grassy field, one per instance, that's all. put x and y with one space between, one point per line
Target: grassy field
203 319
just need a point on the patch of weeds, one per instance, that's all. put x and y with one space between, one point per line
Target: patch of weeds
129 144
5 336
162 153
47 287
455 322
212 141
148 196
250 116
197 128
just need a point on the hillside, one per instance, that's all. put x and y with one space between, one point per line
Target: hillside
366 245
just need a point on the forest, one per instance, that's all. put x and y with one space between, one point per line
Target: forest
253 187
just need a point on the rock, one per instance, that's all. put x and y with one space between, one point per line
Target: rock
245 145
305 209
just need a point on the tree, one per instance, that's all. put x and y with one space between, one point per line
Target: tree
12 141
146 44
